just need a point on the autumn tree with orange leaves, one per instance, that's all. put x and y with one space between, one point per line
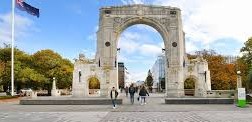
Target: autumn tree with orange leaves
223 75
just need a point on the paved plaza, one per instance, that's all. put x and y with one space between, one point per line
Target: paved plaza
154 111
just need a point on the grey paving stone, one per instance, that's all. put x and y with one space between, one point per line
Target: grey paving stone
154 111
52 116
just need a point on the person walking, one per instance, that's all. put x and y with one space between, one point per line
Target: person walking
127 91
113 95
132 92
142 93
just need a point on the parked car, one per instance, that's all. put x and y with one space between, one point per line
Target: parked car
23 92
26 90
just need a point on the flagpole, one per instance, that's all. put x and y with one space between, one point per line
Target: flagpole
12 46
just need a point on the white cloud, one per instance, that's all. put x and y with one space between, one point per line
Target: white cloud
207 21
133 42
124 58
146 28
128 42
23 26
135 76
150 50
89 53
191 47
92 36
132 1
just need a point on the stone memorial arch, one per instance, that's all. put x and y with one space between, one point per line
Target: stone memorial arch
113 21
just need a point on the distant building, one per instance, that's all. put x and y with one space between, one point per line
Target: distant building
139 83
121 74
158 72
230 59
128 78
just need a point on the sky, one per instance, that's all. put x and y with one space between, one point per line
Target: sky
69 28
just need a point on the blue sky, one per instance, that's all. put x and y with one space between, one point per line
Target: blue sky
69 28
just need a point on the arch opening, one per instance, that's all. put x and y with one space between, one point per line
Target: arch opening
93 86
144 21
140 46
189 86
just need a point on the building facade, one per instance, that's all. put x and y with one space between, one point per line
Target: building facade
230 59
158 72
121 74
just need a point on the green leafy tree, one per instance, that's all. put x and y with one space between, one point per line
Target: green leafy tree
5 59
244 64
51 64
29 78
46 60
64 73
246 50
189 83
149 81
250 77
94 83
34 71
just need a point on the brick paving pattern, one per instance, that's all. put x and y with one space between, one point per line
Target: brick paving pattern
154 111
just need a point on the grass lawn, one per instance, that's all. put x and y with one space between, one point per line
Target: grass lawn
7 97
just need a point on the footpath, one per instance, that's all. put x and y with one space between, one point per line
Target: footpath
154 111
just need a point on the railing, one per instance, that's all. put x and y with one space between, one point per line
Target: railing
221 93
189 92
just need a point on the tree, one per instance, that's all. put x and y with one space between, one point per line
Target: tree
189 83
34 71
30 78
94 83
64 73
51 64
247 52
5 59
244 64
149 81
223 75
250 76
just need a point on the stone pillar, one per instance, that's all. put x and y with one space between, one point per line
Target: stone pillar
175 84
175 54
54 90
80 83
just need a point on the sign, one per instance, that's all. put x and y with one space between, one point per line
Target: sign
241 97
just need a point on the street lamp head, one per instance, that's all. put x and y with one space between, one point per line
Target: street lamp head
53 78
238 72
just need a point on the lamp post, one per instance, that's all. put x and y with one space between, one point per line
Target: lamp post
117 77
239 84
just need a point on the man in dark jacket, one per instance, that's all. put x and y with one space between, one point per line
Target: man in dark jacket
132 92
113 95
142 93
